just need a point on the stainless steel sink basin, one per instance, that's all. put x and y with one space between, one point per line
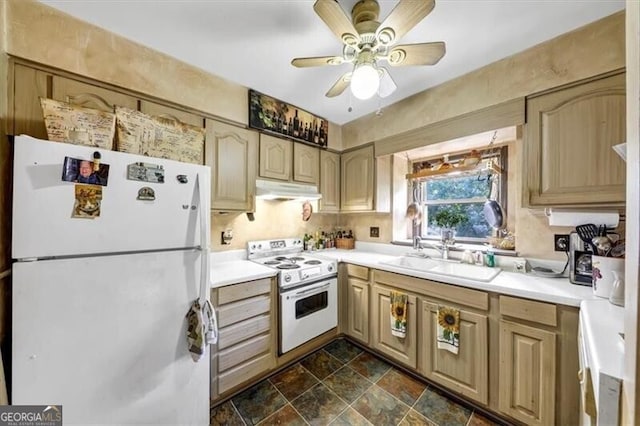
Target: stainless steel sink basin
444 267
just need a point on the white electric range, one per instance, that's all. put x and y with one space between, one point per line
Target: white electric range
308 289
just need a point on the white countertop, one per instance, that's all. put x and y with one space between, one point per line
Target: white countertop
601 322
237 271
231 267
555 290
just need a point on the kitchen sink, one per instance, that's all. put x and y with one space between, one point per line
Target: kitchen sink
444 267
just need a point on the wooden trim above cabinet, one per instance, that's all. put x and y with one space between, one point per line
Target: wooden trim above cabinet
505 114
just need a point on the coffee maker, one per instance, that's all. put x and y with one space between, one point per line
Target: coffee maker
580 271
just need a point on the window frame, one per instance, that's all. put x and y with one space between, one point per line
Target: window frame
501 158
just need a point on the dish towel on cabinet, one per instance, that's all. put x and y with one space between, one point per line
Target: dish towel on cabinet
448 335
399 304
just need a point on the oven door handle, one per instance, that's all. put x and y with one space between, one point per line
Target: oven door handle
310 291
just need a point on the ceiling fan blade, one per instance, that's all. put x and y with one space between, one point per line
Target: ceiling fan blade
402 18
317 61
339 86
337 20
416 54
387 85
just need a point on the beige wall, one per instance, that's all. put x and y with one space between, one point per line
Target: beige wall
588 51
273 219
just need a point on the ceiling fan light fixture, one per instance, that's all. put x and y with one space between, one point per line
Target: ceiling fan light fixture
365 81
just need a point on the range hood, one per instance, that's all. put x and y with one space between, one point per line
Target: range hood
273 190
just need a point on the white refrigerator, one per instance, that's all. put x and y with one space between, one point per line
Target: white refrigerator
99 303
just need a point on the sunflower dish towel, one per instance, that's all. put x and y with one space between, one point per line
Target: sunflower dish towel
399 303
448 329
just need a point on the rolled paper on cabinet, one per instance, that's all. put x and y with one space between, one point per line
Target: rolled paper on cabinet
575 218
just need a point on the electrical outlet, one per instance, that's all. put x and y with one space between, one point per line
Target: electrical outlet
561 242
374 232
520 266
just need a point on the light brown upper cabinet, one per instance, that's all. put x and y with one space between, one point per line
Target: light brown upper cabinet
275 157
90 96
357 181
329 181
29 85
568 159
306 163
232 154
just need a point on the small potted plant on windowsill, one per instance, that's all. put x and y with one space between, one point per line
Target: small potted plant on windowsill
447 218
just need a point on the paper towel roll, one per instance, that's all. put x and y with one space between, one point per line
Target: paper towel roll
575 218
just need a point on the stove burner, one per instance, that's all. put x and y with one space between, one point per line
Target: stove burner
271 262
288 266
281 258
312 262
296 258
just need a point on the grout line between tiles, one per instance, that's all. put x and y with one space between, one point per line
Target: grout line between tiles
237 412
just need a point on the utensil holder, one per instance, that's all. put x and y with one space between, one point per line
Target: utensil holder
346 243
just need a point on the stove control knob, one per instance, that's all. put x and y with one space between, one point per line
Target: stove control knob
253 247
259 246
287 278
330 268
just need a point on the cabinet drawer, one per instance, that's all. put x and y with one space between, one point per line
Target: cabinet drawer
243 330
358 272
242 352
232 293
542 313
244 372
232 313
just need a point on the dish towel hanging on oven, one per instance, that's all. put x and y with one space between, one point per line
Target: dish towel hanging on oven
448 335
399 304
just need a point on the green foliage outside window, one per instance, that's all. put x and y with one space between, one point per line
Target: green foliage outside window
471 194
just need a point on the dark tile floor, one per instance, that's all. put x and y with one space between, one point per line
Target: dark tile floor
341 384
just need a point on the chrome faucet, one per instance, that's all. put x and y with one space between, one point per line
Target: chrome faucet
443 249
417 245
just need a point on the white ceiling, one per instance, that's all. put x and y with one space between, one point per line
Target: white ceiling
252 42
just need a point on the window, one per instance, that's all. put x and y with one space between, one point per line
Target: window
466 192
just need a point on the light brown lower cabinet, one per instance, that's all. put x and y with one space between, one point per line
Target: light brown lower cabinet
527 373
401 349
466 372
246 347
357 303
517 357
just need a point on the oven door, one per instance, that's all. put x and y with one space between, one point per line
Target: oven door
307 312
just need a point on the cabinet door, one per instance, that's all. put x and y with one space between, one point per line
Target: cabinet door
29 86
306 163
465 372
404 349
527 373
567 148
89 96
157 110
232 154
358 309
357 180
275 158
329 181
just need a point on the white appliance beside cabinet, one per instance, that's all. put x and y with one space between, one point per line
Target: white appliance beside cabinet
99 304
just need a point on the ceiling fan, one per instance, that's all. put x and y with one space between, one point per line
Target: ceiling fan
367 41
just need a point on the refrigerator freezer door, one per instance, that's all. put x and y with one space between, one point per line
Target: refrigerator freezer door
43 225
106 338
